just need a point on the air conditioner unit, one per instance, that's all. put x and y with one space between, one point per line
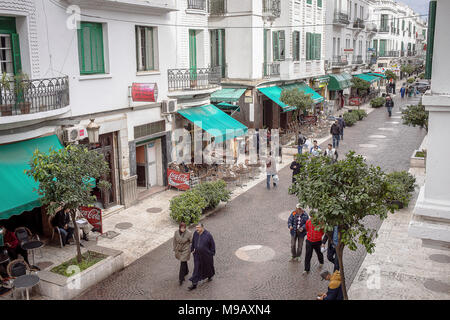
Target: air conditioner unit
73 134
169 106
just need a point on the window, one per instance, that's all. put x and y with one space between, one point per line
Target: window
217 37
384 22
319 3
309 1
350 10
296 46
90 48
278 45
145 48
10 62
362 12
313 46
403 25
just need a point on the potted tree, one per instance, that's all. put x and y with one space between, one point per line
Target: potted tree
105 187
21 86
401 185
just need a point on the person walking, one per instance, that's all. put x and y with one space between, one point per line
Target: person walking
336 132
393 87
402 91
334 287
313 242
296 225
182 240
389 104
295 167
341 122
331 153
203 249
271 171
331 250
301 139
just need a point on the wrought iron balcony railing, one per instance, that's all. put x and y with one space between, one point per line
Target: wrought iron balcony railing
371 27
339 61
194 79
341 18
197 4
271 69
389 54
217 7
384 29
359 24
357 59
412 53
271 8
33 96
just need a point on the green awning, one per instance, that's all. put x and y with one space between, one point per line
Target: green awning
16 188
339 81
274 94
306 89
227 95
214 121
367 77
377 75
227 106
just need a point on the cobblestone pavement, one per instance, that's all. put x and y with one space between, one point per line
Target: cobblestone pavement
259 217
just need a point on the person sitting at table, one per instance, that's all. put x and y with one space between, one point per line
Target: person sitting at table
61 221
12 245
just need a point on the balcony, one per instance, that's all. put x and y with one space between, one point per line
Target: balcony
341 18
217 7
359 24
384 29
372 27
271 8
271 69
389 54
357 59
339 61
412 53
132 6
34 96
194 79
196 4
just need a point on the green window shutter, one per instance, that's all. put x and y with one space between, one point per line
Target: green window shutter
319 3
90 48
308 46
296 46
276 52
309 1
282 44
16 53
318 45
430 39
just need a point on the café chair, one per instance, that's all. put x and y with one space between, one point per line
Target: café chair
23 234
55 230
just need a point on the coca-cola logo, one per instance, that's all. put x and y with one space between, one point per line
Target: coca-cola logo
179 176
93 214
178 179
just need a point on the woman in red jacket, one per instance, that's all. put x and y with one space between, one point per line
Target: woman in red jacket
12 245
313 242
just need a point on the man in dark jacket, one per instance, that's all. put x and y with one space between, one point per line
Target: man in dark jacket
336 132
389 104
203 249
332 240
341 122
295 167
296 225
300 142
334 287
61 221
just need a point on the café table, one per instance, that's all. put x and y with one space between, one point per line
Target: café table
31 246
26 282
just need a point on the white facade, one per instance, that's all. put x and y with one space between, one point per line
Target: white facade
431 221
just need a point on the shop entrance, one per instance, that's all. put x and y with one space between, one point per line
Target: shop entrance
149 165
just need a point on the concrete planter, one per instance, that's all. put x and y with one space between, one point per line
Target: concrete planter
56 286
417 162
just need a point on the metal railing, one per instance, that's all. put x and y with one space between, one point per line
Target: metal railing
359 23
357 59
271 69
217 7
372 27
412 53
33 96
389 54
271 8
384 29
341 18
194 79
339 61
197 4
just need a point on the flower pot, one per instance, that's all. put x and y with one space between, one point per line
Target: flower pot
6 110
25 107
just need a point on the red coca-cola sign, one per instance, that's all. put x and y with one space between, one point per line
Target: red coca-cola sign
178 180
94 216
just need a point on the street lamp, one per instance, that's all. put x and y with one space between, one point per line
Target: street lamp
93 132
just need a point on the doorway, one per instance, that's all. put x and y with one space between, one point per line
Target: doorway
149 165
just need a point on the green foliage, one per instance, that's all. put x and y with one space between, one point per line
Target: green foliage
415 115
360 85
189 206
350 118
361 114
296 98
390 75
89 259
411 80
408 69
422 75
400 186
421 154
377 102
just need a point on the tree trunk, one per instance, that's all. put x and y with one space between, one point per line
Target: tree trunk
76 234
340 253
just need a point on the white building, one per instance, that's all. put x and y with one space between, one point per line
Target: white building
88 73
431 220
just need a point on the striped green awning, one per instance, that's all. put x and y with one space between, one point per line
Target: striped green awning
17 190
339 81
227 95
214 121
367 77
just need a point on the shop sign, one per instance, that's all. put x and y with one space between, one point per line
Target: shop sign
178 180
144 92
94 216
354 101
248 99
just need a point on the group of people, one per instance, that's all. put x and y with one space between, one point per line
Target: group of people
300 225
408 91
12 245
201 245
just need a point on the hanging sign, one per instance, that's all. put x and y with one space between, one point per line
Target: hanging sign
178 180
94 216
144 92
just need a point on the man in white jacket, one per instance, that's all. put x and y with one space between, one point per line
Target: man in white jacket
271 170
